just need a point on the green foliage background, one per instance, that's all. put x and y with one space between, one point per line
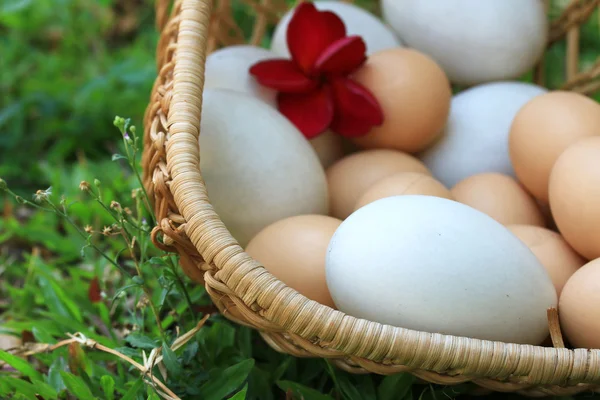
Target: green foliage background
67 67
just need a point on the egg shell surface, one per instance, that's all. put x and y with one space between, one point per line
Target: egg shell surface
474 41
575 196
376 34
579 307
258 168
351 176
227 68
414 95
293 250
499 196
556 120
475 139
403 183
435 265
555 254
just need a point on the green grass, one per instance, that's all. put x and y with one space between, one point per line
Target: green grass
71 266
76 261
64 70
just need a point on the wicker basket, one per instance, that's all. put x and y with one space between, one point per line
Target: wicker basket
247 294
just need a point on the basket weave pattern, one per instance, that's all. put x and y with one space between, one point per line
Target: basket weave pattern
247 294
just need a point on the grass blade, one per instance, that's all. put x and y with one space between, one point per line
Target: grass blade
77 386
20 365
395 386
223 382
302 391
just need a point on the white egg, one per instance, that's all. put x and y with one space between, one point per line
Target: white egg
475 139
258 168
227 68
329 147
474 41
435 265
376 34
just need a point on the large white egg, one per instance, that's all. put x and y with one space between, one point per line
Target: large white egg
475 139
474 41
258 168
376 34
435 265
227 68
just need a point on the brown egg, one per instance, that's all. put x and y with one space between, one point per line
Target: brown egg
543 129
414 94
293 250
575 196
500 197
403 183
350 177
560 260
579 307
329 148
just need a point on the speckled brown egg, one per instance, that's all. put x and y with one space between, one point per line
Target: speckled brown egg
293 250
350 177
555 254
575 196
543 129
579 307
414 94
500 197
403 183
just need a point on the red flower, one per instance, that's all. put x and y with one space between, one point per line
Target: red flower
315 92
94 292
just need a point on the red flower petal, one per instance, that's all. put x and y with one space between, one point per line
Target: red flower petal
356 109
310 32
94 292
349 126
310 112
342 56
282 75
334 23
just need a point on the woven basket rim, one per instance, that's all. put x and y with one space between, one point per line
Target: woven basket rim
290 311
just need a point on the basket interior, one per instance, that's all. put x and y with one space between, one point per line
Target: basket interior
209 255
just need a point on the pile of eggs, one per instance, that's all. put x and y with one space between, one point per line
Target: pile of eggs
468 214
